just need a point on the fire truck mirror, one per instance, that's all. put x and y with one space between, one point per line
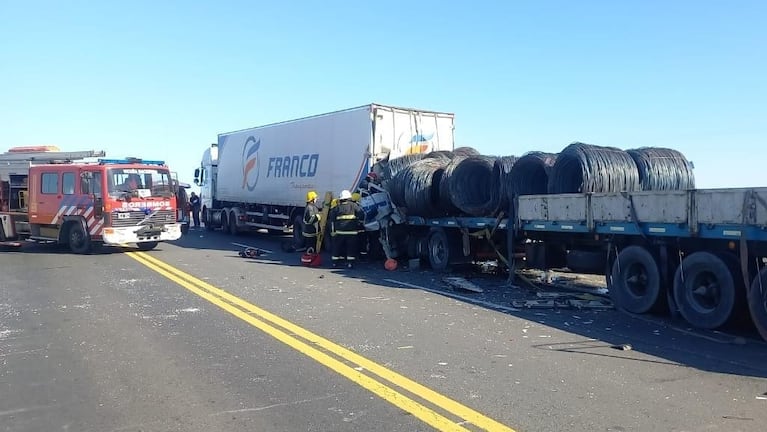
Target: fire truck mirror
98 206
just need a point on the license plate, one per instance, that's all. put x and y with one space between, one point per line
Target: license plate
123 215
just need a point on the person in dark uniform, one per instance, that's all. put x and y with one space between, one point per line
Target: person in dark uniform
345 219
194 203
311 221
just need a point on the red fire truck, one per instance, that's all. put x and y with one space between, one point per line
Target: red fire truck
76 199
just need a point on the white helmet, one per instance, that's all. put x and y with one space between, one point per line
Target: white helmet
345 195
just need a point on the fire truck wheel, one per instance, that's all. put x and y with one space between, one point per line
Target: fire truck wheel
145 246
79 240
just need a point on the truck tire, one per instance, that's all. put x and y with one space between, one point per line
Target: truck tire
706 290
636 283
439 250
233 223
78 239
757 302
208 220
146 246
225 221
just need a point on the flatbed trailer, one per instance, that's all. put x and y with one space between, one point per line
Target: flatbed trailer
699 253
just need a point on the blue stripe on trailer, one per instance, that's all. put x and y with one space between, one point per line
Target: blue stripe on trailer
733 232
648 229
457 222
564 226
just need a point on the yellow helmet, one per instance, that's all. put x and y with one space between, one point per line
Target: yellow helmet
311 196
333 202
356 197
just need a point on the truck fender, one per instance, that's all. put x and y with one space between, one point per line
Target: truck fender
68 220
237 211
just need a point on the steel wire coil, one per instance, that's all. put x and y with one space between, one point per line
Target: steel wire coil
530 174
421 186
502 168
588 168
390 168
465 151
396 187
473 186
398 164
662 169
439 154
445 198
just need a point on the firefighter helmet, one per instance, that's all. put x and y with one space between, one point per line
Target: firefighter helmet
311 196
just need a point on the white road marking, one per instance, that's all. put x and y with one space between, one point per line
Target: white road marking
456 296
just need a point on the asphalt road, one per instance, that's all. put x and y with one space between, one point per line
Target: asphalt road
192 337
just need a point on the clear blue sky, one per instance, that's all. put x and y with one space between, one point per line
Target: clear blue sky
160 79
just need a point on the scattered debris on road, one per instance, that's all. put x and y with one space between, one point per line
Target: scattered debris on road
462 283
563 303
623 347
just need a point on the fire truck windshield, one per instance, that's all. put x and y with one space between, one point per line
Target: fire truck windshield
141 182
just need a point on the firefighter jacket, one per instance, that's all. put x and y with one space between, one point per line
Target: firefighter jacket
311 220
346 218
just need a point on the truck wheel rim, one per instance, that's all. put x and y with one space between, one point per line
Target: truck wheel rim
76 237
636 280
704 293
438 252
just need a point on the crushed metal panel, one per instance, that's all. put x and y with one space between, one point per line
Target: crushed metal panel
725 206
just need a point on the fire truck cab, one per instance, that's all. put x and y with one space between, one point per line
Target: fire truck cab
59 197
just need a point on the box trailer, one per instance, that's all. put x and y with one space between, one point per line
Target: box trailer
258 178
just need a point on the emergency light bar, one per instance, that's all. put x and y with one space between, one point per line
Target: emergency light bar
129 161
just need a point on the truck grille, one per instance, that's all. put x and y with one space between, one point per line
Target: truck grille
162 217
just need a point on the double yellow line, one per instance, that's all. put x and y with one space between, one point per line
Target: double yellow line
344 362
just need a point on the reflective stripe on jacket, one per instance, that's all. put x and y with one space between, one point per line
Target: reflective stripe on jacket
311 220
346 218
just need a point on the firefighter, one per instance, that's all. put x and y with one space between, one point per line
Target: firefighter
311 221
362 238
345 219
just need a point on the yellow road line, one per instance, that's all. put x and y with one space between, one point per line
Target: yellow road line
472 416
390 395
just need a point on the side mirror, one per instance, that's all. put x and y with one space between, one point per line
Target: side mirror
197 182
98 206
196 173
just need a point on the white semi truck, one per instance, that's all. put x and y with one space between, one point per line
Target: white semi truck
258 178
